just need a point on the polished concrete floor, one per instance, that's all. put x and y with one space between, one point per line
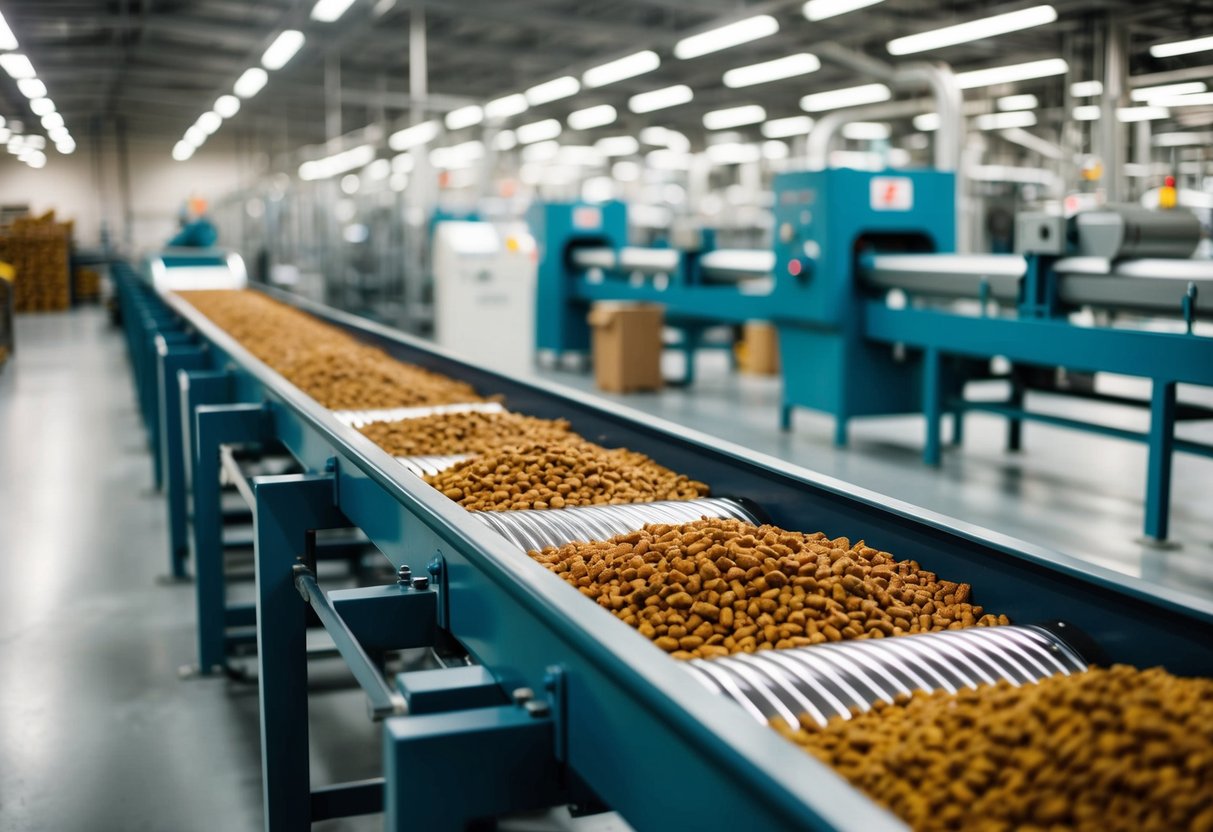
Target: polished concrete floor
99 733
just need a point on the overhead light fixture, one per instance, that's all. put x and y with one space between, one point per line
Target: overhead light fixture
462 117
553 90
1087 112
8 41
52 120
774 150
1182 139
35 141
986 27
42 106
1005 121
782 128
1086 89
195 135
32 88
338 163
1147 113
183 150
1203 99
617 146
635 64
865 131
505 140
592 117
328 11
821 9
66 146
403 163
250 82
541 152
724 37
414 136
1027 101
926 122
1182 47
282 49
790 66
57 134
35 159
460 155
227 106
17 66
1167 91
846 97
665 137
538 131
647 102
1011 73
506 106
733 153
734 117
208 122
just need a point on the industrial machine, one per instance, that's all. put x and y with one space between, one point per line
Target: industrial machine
484 292
876 317
190 268
556 701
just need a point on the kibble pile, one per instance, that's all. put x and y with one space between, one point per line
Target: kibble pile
463 433
541 475
1108 749
715 587
333 368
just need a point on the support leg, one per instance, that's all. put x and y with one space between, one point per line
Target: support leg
1015 425
958 426
173 450
287 508
932 403
690 344
841 423
785 417
215 426
1162 446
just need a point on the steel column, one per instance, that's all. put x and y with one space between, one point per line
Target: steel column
1158 472
932 403
172 444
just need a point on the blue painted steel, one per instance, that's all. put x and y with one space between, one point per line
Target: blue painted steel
174 360
449 689
1161 443
388 617
632 715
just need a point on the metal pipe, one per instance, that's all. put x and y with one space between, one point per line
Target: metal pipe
1115 86
383 701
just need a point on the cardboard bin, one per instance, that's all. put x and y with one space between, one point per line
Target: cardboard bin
627 346
759 349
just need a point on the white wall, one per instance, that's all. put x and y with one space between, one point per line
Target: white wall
85 187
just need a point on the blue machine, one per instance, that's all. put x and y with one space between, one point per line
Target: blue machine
559 702
848 242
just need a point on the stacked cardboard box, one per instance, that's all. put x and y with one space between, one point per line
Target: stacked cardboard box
38 249
88 285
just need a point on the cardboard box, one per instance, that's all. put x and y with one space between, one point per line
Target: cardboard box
759 352
627 346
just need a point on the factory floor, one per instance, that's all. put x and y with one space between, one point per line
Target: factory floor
97 729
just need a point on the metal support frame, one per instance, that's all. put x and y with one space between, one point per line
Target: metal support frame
172 361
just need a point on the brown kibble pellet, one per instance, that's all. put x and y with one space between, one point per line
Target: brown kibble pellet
725 581
1116 749
463 433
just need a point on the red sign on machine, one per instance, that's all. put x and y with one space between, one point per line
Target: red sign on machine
892 193
587 218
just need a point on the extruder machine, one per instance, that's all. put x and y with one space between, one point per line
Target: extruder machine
877 317
557 702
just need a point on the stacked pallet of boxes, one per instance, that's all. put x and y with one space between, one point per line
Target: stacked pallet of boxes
38 249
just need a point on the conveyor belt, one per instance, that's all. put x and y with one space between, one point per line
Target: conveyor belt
362 418
834 679
428 466
717 266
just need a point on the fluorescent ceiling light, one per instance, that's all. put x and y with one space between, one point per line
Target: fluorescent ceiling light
617 146
801 63
592 117
506 106
182 150
724 37
1087 112
403 163
251 82
66 146
538 131
468 116
647 102
32 88
1203 99
505 140
1147 113
36 159
227 106
1182 47
42 106
8 40
665 137
667 159
782 128
775 150
986 27
17 66
338 163
1182 139
821 9
869 131
327 11
1011 73
58 134
733 153
847 97
617 70
1026 101
35 141
1167 91
1086 89
734 117
458 156
196 136
282 49
52 120
553 90
414 136
1005 121
541 152
208 122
